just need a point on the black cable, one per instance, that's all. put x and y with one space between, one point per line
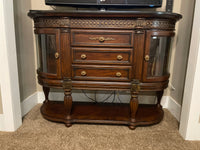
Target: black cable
113 97
107 97
89 97
118 97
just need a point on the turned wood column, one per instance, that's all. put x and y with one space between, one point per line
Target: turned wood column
67 85
135 87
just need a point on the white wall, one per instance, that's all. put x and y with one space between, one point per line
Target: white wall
190 116
25 48
11 118
1 107
181 47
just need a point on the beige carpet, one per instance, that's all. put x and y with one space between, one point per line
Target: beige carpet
40 134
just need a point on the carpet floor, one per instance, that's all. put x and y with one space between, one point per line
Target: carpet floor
37 133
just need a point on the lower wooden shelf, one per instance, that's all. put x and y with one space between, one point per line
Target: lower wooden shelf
102 113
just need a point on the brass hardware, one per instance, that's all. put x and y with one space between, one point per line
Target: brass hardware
139 32
83 73
147 58
101 39
57 55
118 74
135 85
67 83
83 56
119 57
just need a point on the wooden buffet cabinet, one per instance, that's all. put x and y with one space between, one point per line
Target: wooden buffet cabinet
109 50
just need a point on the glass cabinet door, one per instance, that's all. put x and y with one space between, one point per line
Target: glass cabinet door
48 53
156 58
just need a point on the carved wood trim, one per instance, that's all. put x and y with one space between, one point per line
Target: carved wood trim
121 23
129 23
51 22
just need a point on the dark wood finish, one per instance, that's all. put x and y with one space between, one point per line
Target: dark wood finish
36 14
67 101
46 93
134 102
159 96
103 51
102 113
55 32
114 56
101 73
101 38
149 34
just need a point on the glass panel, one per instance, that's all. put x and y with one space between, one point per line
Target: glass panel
46 53
159 51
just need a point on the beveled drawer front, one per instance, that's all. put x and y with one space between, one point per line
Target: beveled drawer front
101 73
110 38
102 55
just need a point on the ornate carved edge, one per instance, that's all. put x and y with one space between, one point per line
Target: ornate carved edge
51 22
135 85
129 23
121 23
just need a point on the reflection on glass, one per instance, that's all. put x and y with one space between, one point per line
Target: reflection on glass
46 53
159 50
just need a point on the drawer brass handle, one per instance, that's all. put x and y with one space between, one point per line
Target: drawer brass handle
119 57
147 58
83 56
101 39
57 55
83 73
118 74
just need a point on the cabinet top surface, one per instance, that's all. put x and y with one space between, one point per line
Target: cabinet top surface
85 13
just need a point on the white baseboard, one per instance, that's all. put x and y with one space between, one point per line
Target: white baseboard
2 126
165 101
170 104
40 97
52 95
29 103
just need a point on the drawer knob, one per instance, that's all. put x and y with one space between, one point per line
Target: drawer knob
118 74
101 39
147 58
57 55
83 73
83 56
119 57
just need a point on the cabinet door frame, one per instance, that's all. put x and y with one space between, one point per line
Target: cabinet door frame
58 61
149 34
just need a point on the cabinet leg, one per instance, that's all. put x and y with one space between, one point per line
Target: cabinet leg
159 97
134 108
68 107
134 103
46 93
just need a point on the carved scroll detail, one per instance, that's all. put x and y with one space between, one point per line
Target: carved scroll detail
121 23
51 22
86 22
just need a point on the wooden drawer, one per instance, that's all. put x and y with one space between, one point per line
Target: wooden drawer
102 56
101 73
110 38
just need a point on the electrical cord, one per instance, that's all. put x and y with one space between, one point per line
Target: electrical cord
89 97
104 100
118 97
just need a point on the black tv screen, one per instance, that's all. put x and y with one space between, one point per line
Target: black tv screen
106 3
